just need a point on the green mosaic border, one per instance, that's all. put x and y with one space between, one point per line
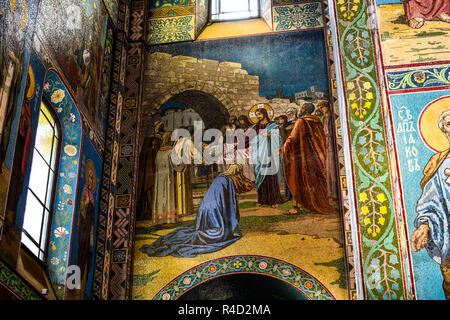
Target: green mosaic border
379 244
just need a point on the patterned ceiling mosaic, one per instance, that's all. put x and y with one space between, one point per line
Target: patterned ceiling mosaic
175 21
298 278
168 30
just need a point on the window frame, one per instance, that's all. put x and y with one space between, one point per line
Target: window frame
47 235
218 2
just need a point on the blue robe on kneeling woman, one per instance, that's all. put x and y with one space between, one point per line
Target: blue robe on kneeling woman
216 225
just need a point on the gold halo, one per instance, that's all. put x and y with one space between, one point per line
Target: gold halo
30 92
429 130
90 166
252 116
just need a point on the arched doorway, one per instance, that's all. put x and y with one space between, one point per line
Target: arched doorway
244 286
212 112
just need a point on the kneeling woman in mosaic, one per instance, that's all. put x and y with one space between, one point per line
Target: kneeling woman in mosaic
216 225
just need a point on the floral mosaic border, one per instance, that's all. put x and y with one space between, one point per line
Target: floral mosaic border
418 77
69 117
380 256
312 288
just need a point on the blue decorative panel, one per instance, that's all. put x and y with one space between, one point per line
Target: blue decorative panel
417 140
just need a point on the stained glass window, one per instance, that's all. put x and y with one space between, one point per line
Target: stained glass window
222 10
41 185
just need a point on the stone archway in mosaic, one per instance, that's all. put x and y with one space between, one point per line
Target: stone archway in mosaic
212 111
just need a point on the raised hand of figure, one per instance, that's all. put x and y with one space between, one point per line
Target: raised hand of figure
419 238
266 134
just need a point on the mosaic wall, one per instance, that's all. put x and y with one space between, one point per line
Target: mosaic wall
18 21
394 97
414 61
112 272
417 141
412 33
75 39
104 231
390 103
61 89
105 83
409 82
238 73
114 279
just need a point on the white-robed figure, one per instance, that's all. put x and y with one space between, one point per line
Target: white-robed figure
187 153
433 208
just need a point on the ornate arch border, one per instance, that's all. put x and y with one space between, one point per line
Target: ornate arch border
301 280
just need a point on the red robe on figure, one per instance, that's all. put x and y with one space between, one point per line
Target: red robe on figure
304 165
426 9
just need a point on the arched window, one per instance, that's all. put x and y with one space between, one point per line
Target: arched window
223 10
41 186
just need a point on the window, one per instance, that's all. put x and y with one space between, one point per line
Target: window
222 10
41 185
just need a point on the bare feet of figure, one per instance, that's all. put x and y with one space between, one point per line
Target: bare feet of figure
444 17
275 206
416 23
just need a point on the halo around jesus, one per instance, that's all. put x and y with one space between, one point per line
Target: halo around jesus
429 130
252 116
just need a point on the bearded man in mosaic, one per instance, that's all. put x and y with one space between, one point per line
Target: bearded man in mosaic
432 226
